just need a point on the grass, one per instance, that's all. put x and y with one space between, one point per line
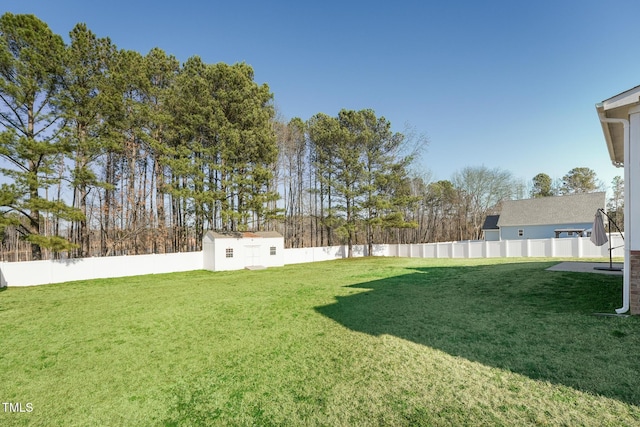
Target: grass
378 341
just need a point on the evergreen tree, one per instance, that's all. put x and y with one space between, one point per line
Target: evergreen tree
542 186
161 70
385 182
579 180
323 132
359 165
83 102
31 70
248 149
292 150
192 148
224 146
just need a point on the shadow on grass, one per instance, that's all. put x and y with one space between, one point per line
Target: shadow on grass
517 317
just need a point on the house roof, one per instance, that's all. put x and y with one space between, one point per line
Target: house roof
570 209
242 234
617 107
491 222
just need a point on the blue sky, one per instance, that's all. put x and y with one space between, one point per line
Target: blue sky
495 83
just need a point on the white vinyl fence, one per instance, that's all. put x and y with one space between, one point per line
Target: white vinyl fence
326 253
577 247
57 271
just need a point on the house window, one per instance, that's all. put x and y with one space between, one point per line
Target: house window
229 252
272 250
520 232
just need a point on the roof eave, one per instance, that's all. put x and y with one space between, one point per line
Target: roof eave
608 138
617 107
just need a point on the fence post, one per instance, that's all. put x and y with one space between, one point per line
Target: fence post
580 247
3 281
577 246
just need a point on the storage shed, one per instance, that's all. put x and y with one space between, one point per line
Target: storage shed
491 229
237 250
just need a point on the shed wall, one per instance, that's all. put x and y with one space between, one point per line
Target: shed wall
244 252
491 235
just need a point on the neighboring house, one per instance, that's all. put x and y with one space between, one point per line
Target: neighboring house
238 250
545 217
491 229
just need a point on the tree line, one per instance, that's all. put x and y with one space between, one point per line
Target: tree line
415 208
108 151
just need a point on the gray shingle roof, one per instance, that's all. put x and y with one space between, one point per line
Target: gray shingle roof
491 222
570 209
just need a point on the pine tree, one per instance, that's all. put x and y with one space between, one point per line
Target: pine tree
31 71
247 144
579 180
88 61
542 186
161 70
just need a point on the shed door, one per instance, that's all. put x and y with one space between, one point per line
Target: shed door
252 255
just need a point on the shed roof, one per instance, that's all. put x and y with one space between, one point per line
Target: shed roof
570 209
242 234
491 222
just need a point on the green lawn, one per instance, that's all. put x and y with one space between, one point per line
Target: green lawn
378 341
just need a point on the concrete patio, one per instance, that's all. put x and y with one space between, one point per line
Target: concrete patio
586 267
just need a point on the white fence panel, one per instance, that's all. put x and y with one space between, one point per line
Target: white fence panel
617 244
444 250
429 250
415 251
25 273
302 255
563 248
381 250
326 253
477 250
458 250
514 248
539 248
298 255
56 271
589 250
329 253
493 249
403 250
